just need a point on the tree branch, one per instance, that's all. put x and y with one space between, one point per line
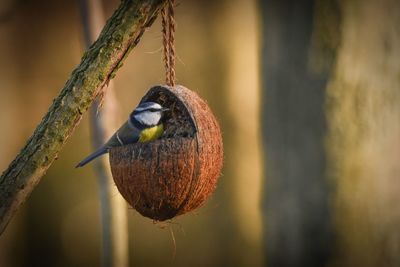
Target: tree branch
98 65
103 124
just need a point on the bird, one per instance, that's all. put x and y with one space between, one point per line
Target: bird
144 124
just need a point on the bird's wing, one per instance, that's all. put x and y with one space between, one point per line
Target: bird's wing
92 156
126 134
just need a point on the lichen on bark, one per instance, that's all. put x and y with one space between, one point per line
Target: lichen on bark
98 65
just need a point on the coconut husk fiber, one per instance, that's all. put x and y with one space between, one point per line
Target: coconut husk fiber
176 173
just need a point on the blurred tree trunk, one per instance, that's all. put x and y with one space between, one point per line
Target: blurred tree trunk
97 67
104 122
242 140
228 100
364 134
296 191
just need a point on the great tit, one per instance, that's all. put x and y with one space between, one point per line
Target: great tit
143 125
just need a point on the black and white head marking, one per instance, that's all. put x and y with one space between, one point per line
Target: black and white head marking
147 114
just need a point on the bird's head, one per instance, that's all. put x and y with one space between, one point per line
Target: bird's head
148 114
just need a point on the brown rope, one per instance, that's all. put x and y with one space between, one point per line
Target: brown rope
168 31
165 45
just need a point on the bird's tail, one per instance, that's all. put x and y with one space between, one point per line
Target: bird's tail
92 156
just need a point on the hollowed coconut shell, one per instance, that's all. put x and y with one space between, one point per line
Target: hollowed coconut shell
176 173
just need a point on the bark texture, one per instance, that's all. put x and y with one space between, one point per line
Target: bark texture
364 134
98 65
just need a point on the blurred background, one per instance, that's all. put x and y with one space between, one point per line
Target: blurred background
308 97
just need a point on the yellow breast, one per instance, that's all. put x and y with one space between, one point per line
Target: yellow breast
151 134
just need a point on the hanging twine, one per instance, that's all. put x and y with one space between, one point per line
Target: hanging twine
168 31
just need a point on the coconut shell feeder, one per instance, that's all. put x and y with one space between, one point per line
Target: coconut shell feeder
175 174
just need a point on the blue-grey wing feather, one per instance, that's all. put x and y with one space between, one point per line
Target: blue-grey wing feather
126 134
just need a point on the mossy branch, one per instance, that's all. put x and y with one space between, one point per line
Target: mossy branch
98 65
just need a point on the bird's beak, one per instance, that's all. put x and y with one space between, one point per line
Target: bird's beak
164 109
